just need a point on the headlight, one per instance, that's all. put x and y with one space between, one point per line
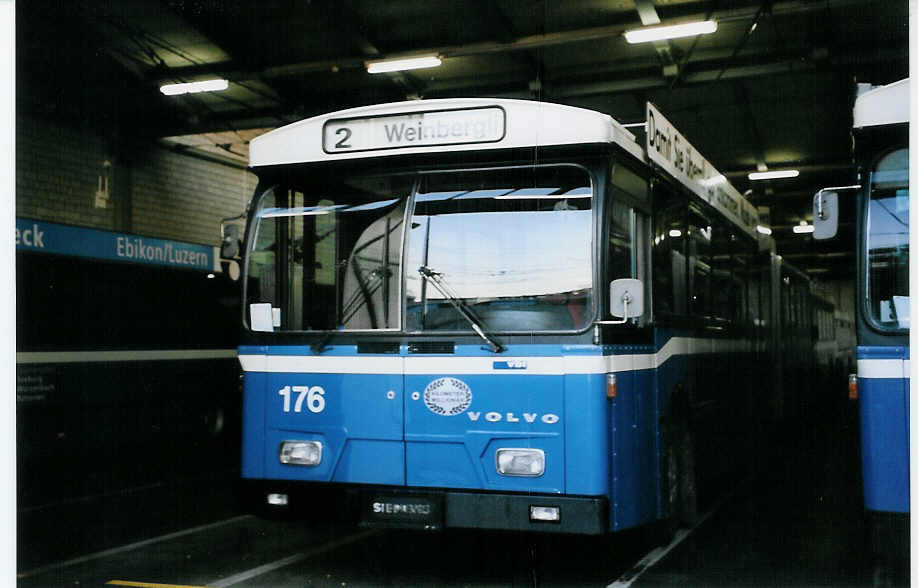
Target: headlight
306 453
520 462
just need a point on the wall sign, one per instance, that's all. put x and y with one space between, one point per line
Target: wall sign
48 237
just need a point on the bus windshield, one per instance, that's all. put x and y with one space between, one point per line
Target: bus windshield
325 254
887 242
511 245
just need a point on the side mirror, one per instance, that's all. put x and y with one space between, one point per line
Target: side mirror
626 298
229 248
825 214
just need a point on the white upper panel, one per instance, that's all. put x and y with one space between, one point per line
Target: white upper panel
883 105
431 126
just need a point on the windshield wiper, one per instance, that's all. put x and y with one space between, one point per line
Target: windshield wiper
321 344
437 282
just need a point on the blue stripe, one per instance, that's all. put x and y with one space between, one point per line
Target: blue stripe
882 352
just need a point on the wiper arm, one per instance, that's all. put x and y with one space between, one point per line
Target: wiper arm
322 344
437 282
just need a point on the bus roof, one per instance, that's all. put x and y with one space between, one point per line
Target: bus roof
882 105
474 124
431 126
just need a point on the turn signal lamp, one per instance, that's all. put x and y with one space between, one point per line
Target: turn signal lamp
520 462
852 386
611 386
305 453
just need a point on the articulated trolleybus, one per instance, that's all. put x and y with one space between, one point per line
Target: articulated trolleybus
881 120
451 321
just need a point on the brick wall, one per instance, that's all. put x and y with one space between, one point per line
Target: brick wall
57 172
180 197
152 191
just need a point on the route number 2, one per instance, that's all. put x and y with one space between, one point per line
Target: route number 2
314 398
345 134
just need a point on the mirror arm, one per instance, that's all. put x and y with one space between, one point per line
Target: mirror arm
625 300
817 199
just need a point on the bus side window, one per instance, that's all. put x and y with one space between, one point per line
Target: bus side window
724 295
745 281
621 256
699 258
669 292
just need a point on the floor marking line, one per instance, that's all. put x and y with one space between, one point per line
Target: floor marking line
147 584
129 547
655 555
289 560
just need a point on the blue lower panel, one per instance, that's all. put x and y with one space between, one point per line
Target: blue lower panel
884 443
253 427
446 464
357 418
343 460
373 462
502 411
634 463
586 433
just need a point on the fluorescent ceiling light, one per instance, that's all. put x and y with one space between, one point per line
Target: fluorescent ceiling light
763 229
774 175
688 29
804 228
387 65
194 87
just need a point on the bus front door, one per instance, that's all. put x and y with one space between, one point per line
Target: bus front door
341 410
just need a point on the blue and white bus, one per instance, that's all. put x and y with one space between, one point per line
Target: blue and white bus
492 313
881 385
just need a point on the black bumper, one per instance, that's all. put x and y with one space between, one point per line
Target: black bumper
401 507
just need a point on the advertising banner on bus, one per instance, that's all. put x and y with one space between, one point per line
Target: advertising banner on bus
669 149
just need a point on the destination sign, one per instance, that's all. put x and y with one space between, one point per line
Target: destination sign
416 129
670 150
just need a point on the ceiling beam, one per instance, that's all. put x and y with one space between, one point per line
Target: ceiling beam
524 43
695 77
647 12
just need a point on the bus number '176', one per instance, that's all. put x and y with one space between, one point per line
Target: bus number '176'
314 398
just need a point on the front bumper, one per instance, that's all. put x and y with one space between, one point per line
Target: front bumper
401 507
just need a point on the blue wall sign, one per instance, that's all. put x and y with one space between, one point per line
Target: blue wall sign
82 242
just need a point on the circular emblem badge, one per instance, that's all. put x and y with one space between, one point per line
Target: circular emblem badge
447 396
